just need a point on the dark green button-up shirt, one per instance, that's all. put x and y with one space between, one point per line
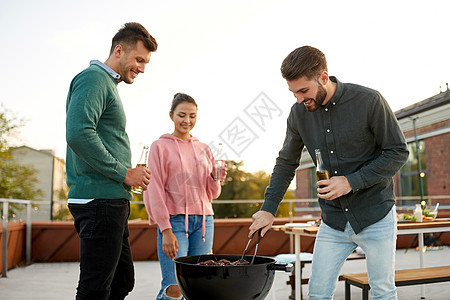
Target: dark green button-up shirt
359 138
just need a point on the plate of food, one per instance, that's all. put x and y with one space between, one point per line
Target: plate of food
403 221
403 218
427 216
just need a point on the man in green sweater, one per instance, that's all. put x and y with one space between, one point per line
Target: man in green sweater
98 162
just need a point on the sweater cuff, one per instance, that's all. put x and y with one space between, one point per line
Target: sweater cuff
164 225
270 206
355 180
121 173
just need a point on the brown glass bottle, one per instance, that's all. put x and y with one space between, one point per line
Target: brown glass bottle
141 163
321 172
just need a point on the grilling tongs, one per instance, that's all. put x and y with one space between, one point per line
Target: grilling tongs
256 247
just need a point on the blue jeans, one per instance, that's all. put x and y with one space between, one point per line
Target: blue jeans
192 245
106 264
332 247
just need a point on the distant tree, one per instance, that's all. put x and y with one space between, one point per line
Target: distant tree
63 212
16 181
8 123
242 185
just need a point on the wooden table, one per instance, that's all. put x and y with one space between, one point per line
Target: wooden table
403 228
419 229
297 232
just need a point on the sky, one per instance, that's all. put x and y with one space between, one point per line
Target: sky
225 54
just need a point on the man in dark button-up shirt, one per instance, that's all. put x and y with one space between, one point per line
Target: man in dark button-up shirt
362 146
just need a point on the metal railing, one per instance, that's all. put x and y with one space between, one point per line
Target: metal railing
401 202
291 203
293 209
430 201
6 203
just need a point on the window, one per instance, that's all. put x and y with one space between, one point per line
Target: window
409 176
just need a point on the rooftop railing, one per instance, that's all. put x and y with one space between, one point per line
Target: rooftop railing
5 215
307 208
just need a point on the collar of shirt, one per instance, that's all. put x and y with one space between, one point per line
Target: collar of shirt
337 94
106 68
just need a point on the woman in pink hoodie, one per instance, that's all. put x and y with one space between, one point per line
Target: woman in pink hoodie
180 192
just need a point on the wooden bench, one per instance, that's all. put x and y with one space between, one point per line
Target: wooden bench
402 278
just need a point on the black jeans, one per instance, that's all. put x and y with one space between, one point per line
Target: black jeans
106 264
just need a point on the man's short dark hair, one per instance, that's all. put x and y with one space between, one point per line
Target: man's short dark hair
130 34
304 61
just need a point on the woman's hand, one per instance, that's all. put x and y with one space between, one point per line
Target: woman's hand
169 243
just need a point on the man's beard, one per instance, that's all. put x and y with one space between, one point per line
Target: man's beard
125 77
318 100
124 72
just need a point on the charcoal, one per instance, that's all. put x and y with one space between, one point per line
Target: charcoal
223 262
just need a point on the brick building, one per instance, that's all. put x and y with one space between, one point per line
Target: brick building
426 124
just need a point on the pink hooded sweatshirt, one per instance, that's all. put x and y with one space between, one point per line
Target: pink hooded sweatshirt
181 181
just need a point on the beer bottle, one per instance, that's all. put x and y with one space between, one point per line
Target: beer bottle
143 159
141 163
321 172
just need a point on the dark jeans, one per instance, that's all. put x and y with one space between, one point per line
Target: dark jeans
106 264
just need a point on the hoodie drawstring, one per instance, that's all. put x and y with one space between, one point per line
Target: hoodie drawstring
203 204
186 216
186 219
203 223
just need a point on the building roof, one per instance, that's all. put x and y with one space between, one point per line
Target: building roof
424 105
46 152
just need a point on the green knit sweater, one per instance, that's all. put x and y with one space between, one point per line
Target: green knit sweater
98 149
